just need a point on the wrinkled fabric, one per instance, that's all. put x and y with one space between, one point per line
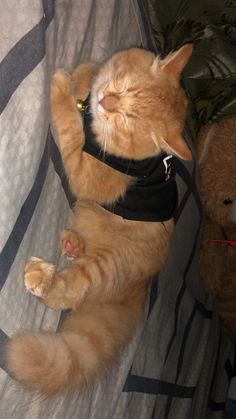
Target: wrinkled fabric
179 363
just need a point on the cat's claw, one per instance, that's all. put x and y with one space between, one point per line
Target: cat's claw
38 275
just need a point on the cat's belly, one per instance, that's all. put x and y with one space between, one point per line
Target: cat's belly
146 242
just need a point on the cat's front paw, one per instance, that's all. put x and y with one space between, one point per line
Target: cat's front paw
38 276
60 85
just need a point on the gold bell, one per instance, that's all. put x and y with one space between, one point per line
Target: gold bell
80 105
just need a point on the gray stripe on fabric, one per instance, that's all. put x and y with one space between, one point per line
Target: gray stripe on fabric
218 407
49 10
11 247
3 339
213 405
59 169
180 296
147 385
181 358
190 183
23 57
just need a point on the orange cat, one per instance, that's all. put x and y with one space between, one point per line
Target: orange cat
137 110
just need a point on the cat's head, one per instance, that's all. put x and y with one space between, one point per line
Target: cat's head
138 104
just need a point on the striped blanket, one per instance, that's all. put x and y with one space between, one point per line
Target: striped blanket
179 363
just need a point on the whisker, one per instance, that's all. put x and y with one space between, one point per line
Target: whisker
124 117
104 145
106 140
109 140
154 139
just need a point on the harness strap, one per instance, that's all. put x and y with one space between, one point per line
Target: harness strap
153 197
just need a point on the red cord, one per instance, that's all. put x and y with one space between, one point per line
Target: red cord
231 243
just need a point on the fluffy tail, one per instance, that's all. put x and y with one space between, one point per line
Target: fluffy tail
88 342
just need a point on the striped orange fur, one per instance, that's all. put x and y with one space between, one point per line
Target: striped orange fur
113 259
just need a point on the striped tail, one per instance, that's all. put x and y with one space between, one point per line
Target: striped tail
86 345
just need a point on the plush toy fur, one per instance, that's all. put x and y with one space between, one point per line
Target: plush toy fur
216 153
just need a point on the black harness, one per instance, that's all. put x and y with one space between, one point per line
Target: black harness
153 197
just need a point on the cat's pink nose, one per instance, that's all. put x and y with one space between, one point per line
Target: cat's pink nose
109 102
102 102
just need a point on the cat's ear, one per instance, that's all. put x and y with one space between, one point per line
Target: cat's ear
178 146
175 62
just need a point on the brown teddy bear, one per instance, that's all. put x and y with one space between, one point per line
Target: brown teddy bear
216 154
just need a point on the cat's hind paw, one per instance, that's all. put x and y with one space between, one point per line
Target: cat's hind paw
71 245
38 276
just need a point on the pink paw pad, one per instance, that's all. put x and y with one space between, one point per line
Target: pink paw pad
69 250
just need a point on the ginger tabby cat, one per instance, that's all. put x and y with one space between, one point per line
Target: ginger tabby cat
138 110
